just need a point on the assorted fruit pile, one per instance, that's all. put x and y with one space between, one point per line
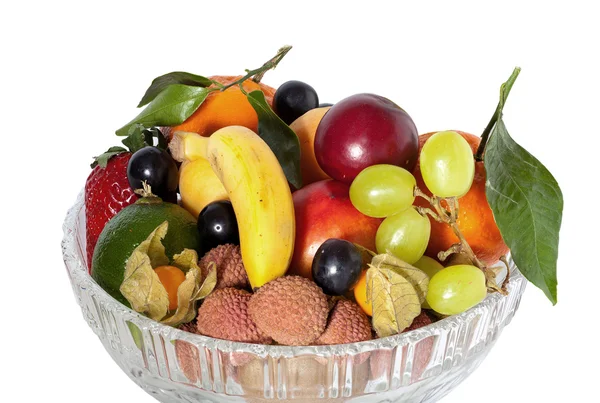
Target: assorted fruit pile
247 213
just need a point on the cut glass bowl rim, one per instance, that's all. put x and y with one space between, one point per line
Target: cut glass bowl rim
80 278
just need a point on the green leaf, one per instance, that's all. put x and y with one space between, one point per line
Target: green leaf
135 140
103 158
278 135
170 108
159 84
527 204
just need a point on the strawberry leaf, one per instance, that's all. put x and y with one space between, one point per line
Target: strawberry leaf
527 204
103 158
170 108
278 135
159 84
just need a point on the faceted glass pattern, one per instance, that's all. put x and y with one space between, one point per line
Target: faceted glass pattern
176 366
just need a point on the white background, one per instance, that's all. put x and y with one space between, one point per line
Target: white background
72 73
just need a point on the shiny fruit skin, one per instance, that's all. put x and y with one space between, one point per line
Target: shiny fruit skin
107 192
336 266
383 190
447 164
261 199
224 108
157 168
323 211
171 278
293 99
475 217
305 128
431 267
360 294
217 225
428 265
405 235
199 186
364 130
456 289
125 231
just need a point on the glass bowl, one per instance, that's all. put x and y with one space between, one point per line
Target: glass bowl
177 366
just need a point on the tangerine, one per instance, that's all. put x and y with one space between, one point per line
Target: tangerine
475 220
224 108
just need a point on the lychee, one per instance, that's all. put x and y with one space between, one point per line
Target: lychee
230 269
292 310
224 315
347 323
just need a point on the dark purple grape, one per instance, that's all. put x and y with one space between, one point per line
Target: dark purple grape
157 168
337 266
293 99
217 225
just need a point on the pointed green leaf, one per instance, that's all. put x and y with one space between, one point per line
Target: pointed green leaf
170 108
135 140
527 204
103 158
159 84
278 135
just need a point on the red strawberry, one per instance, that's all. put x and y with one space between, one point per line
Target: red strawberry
107 192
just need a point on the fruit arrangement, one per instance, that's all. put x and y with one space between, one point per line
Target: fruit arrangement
253 214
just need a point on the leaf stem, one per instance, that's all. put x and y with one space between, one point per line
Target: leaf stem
257 74
504 92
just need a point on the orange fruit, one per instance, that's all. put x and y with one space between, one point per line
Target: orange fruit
226 108
305 128
360 294
171 278
475 220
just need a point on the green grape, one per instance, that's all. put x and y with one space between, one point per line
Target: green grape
456 289
447 164
430 267
405 235
382 190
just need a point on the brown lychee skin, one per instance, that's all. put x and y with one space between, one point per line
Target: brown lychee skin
224 315
230 268
347 323
292 310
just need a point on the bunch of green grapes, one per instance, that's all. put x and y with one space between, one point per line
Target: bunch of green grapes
448 168
388 191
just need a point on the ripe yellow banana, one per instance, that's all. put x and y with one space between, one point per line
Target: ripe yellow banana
199 185
261 198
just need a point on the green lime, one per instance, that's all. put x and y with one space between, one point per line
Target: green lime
131 226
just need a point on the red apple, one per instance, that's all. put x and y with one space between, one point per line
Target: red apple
364 130
323 210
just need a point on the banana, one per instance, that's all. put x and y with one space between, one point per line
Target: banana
187 146
261 199
199 185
